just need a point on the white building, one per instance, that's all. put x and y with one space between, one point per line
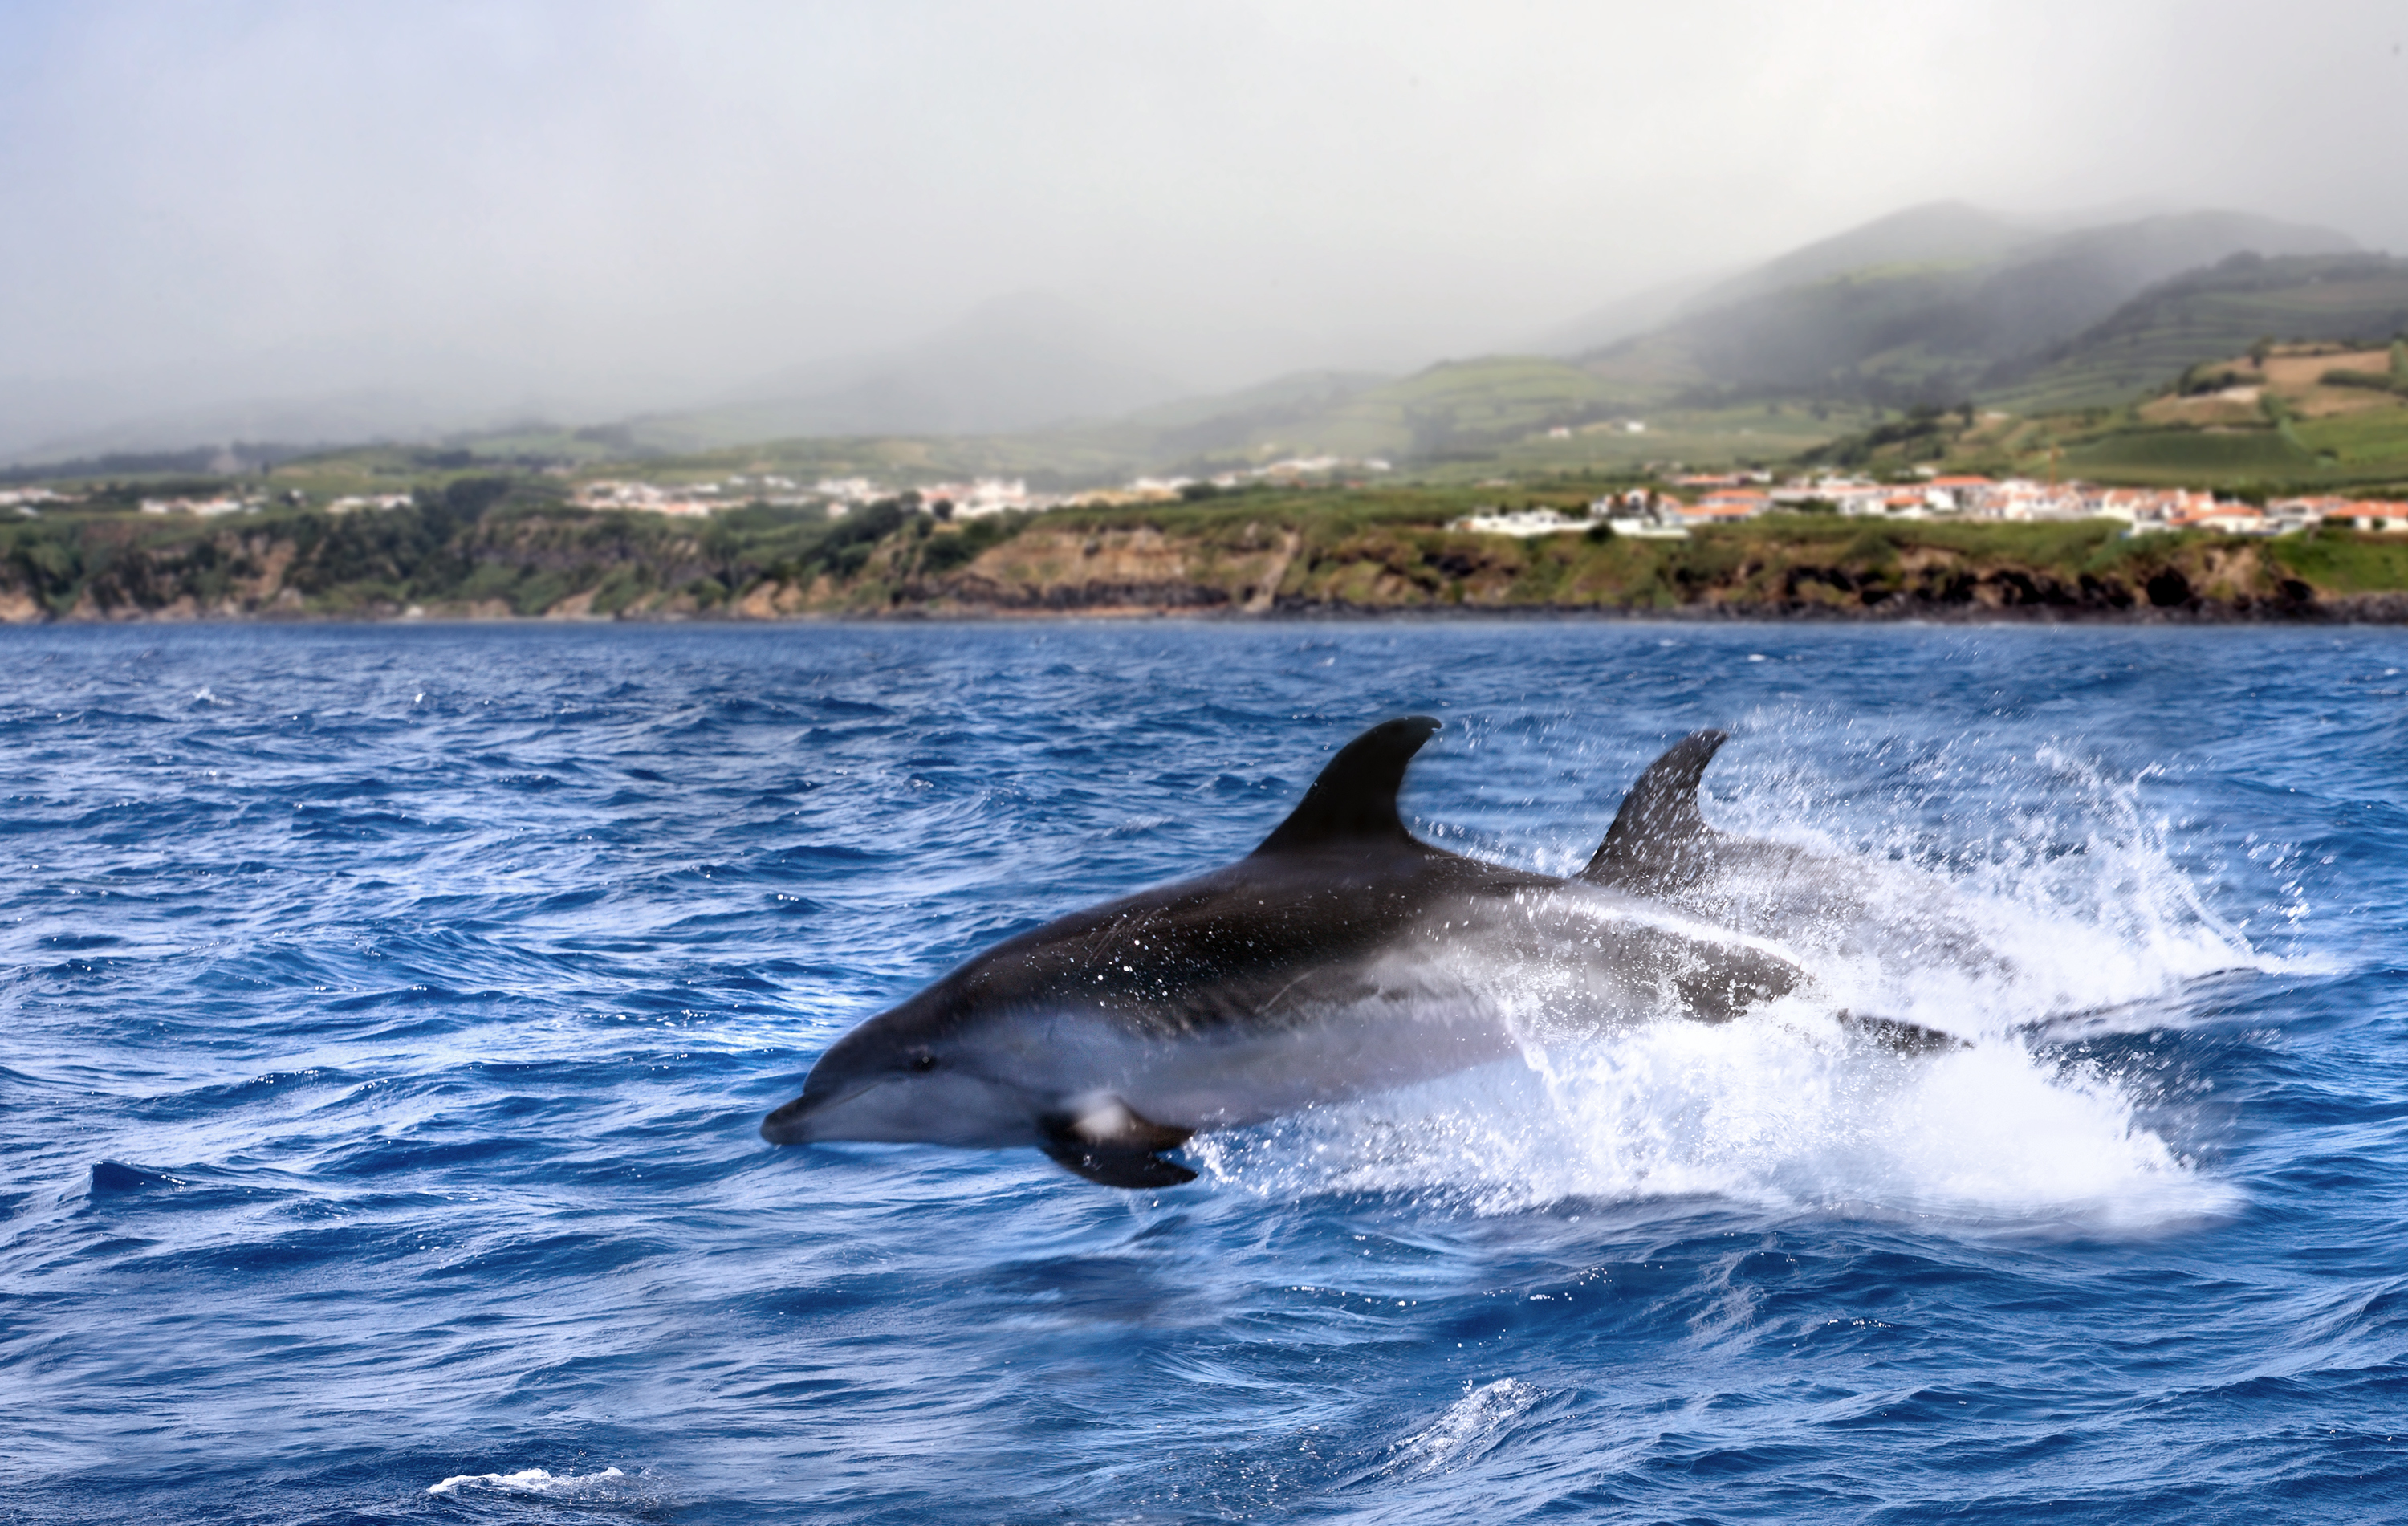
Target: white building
984 496
205 508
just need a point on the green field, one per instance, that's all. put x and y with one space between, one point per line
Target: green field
2227 423
2191 456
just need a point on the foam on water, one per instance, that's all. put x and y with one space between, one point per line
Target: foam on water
535 1482
1784 1114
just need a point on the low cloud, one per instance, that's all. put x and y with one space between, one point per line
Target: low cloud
591 208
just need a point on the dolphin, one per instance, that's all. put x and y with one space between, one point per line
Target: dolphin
1343 956
1661 848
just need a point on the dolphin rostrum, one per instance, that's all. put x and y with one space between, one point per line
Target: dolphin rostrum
1340 956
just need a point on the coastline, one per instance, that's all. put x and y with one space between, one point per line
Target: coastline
1341 558
2369 610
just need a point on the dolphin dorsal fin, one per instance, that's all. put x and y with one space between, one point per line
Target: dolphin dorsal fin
1660 819
1353 800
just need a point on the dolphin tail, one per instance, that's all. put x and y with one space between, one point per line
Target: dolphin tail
1111 1143
1659 826
1901 1037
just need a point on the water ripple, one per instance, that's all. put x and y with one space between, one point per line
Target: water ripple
388 1012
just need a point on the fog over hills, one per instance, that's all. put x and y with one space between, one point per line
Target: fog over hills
1026 361
299 393
415 220
1924 304
1927 304
1938 232
1930 303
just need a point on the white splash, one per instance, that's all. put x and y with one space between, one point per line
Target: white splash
525 1481
2069 917
1470 1427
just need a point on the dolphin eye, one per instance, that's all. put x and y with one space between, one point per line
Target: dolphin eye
923 1062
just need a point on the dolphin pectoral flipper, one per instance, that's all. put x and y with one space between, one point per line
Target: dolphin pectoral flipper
1109 1142
1719 995
1132 1169
1658 825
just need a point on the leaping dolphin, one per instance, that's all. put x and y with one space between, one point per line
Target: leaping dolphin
1340 956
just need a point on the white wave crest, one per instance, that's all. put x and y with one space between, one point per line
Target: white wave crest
526 1481
1468 1429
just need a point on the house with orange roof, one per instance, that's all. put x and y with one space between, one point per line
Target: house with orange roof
2228 518
1725 506
2370 514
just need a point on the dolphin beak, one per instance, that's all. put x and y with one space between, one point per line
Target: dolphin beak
796 1122
790 1123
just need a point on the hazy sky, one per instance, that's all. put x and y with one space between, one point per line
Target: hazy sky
596 204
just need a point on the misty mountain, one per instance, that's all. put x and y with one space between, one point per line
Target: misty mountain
303 394
1938 232
1945 231
1924 306
1933 303
1621 318
2211 314
1455 409
1018 363
1297 405
346 418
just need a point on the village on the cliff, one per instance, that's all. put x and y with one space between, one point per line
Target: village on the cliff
1669 511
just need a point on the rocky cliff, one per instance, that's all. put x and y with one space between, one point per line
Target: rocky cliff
487 554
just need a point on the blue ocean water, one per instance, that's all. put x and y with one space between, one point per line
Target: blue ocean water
388 1013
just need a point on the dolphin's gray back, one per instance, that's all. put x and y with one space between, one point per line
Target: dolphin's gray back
1262 943
1341 907
1293 923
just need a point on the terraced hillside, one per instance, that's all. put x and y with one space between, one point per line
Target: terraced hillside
2282 418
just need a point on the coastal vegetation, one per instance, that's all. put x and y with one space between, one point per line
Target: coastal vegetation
504 546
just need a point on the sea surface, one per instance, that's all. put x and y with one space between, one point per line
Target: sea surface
388 1013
